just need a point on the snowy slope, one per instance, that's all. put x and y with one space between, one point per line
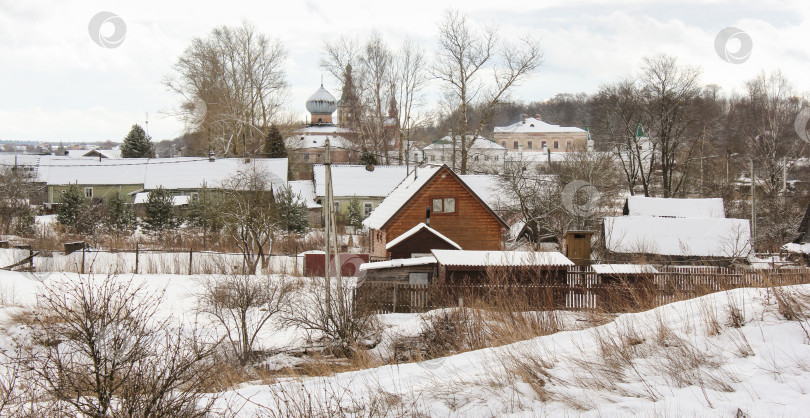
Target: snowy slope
683 359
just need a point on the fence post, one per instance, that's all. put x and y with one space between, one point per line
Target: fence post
190 253
394 309
137 245
84 247
461 301
31 257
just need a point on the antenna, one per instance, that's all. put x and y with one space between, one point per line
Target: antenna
321 79
147 123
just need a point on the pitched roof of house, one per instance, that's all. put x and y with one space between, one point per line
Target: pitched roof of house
169 173
400 262
479 143
697 237
500 258
409 233
355 180
677 208
624 269
407 189
535 125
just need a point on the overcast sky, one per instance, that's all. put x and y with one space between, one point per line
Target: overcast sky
57 84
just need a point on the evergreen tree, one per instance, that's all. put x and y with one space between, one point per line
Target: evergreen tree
367 158
137 144
159 211
119 215
354 213
76 211
205 212
274 144
292 212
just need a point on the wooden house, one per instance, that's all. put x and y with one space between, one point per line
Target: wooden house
418 242
452 207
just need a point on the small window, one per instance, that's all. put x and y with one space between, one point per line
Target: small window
503 144
367 208
486 158
529 145
88 192
418 278
543 144
496 158
306 157
568 146
195 196
337 208
449 205
515 145
437 205
556 144
432 158
475 158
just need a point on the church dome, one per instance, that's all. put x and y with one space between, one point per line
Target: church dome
321 102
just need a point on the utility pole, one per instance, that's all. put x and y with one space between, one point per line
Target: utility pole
327 221
753 208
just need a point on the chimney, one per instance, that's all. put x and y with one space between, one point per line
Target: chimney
427 215
211 156
523 118
537 116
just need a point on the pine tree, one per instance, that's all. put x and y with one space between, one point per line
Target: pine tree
367 158
292 212
76 211
159 211
137 144
354 213
119 217
274 144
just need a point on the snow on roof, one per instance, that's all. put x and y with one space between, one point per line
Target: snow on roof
400 195
479 143
355 180
797 248
487 187
679 208
318 141
500 258
305 190
322 130
624 269
416 229
170 173
191 173
401 262
700 237
143 197
535 125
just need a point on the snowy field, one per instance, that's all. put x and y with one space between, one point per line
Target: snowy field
683 359
710 356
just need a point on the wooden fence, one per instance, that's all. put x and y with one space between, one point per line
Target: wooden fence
582 290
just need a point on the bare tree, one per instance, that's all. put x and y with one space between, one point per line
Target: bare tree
249 215
465 55
232 84
410 79
242 305
669 92
17 187
105 352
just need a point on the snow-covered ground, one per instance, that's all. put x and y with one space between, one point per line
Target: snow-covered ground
682 359
710 356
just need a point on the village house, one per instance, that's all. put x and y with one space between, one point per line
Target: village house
533 135
442 200
676 230
484 156
368 184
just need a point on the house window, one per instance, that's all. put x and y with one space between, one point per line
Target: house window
195 196
515 145
88 192
486 158
503 144
568 146
543 144
306 157
496 158
444 205
529 145
475 158
337 208
432 158
367 208
556 144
